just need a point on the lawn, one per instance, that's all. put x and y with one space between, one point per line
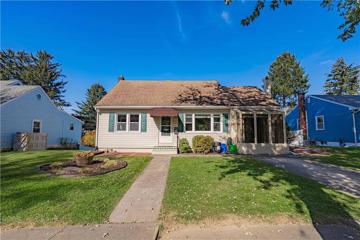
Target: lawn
202 188
346 157
30 197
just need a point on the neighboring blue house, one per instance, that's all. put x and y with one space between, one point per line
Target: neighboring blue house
330 119
27 108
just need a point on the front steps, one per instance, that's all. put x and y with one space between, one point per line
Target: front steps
164 150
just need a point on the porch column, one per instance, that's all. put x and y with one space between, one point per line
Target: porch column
284 127
255 128
270 128
240 129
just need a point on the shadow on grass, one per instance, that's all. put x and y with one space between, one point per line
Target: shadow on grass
307 195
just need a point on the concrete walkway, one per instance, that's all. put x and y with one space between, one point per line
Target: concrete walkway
134 231
336 177
142 202
264 231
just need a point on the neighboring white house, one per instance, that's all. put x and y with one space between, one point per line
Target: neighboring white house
27 108
150 116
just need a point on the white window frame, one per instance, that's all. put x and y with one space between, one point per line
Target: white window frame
211 122
36 120
192 122
127 122
117 121
316 122
139 122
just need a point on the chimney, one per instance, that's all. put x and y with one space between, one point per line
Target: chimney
121 78
267 85
302 115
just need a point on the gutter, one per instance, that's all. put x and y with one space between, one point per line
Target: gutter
191 107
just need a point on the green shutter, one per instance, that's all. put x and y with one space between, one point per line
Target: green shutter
111 122
143 122
181 122
225 122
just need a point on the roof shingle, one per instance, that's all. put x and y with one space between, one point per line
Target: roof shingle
183 93
350 100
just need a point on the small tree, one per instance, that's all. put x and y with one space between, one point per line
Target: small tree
86 111
287 79
343 79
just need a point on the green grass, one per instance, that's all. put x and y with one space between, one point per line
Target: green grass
200 188
345 157
29 196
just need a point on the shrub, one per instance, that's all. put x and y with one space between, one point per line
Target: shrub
184 146
202 144
89 138
85 154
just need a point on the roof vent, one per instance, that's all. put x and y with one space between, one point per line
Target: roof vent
121 78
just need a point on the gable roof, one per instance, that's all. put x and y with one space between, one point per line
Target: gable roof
183 93
348 100
12 89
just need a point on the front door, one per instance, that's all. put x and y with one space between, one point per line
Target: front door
166 136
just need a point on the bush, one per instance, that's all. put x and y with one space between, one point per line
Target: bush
85 154
89 138
202 144
184 146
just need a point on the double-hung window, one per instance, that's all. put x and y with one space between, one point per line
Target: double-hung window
189 122
216 122
121 122
134 122
128 122
320 122
36 126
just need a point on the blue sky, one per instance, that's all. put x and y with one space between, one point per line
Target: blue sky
98 41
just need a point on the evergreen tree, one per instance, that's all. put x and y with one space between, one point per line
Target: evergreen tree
39 69
287 79
86 111
343 79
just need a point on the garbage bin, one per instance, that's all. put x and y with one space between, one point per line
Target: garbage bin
233 149
223 148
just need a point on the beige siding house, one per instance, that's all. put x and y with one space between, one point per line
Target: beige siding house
151 116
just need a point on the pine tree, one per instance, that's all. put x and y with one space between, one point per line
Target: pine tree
86 111
39 69
287 79
343 79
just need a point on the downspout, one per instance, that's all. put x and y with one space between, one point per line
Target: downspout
354 125
97 129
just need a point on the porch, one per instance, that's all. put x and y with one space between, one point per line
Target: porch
254 131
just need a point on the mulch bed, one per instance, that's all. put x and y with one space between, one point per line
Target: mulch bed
70 169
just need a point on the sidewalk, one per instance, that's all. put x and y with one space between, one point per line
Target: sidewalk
134 231
142 202
135 217
263 231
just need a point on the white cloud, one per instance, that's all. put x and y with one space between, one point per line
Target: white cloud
326 62
226 17
179 24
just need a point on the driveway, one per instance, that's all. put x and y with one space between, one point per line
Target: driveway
333 176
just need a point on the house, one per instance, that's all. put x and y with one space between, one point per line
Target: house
151 116
27 108
330 119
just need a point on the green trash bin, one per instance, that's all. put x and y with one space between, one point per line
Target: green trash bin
233 149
